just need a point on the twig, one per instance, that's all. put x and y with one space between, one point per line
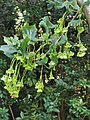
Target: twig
75 15
13 118
59 116
57 40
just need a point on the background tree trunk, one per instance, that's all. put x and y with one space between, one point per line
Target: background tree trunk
86 10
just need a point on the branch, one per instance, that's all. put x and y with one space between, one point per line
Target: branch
11 112
86 10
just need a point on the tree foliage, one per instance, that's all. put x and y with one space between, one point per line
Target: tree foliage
49 63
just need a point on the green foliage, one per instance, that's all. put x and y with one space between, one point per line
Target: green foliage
46 24
29 58
78 109
4 114
62 3
7 15
47 75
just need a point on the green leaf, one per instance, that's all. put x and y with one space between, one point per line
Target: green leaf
13 41
23 45
54 38
8 40
56 110
43 55
58 4
66 4
45 37
53 57
29 32
63 40
46 24
43 61
8 50
75 22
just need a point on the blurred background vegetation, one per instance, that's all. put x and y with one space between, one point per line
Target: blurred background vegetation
75 73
